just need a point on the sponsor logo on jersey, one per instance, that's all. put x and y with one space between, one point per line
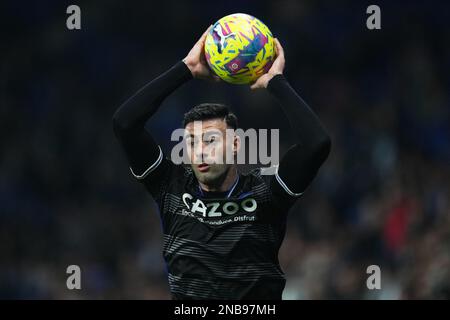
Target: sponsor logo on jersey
218 208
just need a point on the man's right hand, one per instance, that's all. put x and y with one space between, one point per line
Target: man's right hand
196 61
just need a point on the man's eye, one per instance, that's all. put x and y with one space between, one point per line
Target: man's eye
190 142
210 139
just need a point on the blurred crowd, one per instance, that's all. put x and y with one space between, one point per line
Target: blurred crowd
382 197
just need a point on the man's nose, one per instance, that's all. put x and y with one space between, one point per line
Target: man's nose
199 152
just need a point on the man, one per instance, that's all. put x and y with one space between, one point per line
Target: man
222 229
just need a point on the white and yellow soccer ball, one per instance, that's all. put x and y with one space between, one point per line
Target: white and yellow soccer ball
239 48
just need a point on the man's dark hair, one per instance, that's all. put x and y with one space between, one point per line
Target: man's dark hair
206 111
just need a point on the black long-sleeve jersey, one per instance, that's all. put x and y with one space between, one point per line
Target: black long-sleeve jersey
221 245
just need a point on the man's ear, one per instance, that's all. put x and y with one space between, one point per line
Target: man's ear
236 144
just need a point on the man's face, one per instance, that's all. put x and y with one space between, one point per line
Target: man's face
207 147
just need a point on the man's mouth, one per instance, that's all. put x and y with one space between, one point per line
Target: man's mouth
203 167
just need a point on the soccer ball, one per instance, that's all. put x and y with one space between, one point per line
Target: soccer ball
239 48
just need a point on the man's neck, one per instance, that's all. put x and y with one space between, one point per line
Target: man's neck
225 184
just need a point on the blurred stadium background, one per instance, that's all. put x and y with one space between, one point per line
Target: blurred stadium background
66 195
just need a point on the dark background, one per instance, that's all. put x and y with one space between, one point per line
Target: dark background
67 197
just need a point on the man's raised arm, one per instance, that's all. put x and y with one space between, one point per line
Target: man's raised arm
312 144
129 120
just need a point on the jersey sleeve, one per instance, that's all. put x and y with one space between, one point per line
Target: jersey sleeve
282 196
301 163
